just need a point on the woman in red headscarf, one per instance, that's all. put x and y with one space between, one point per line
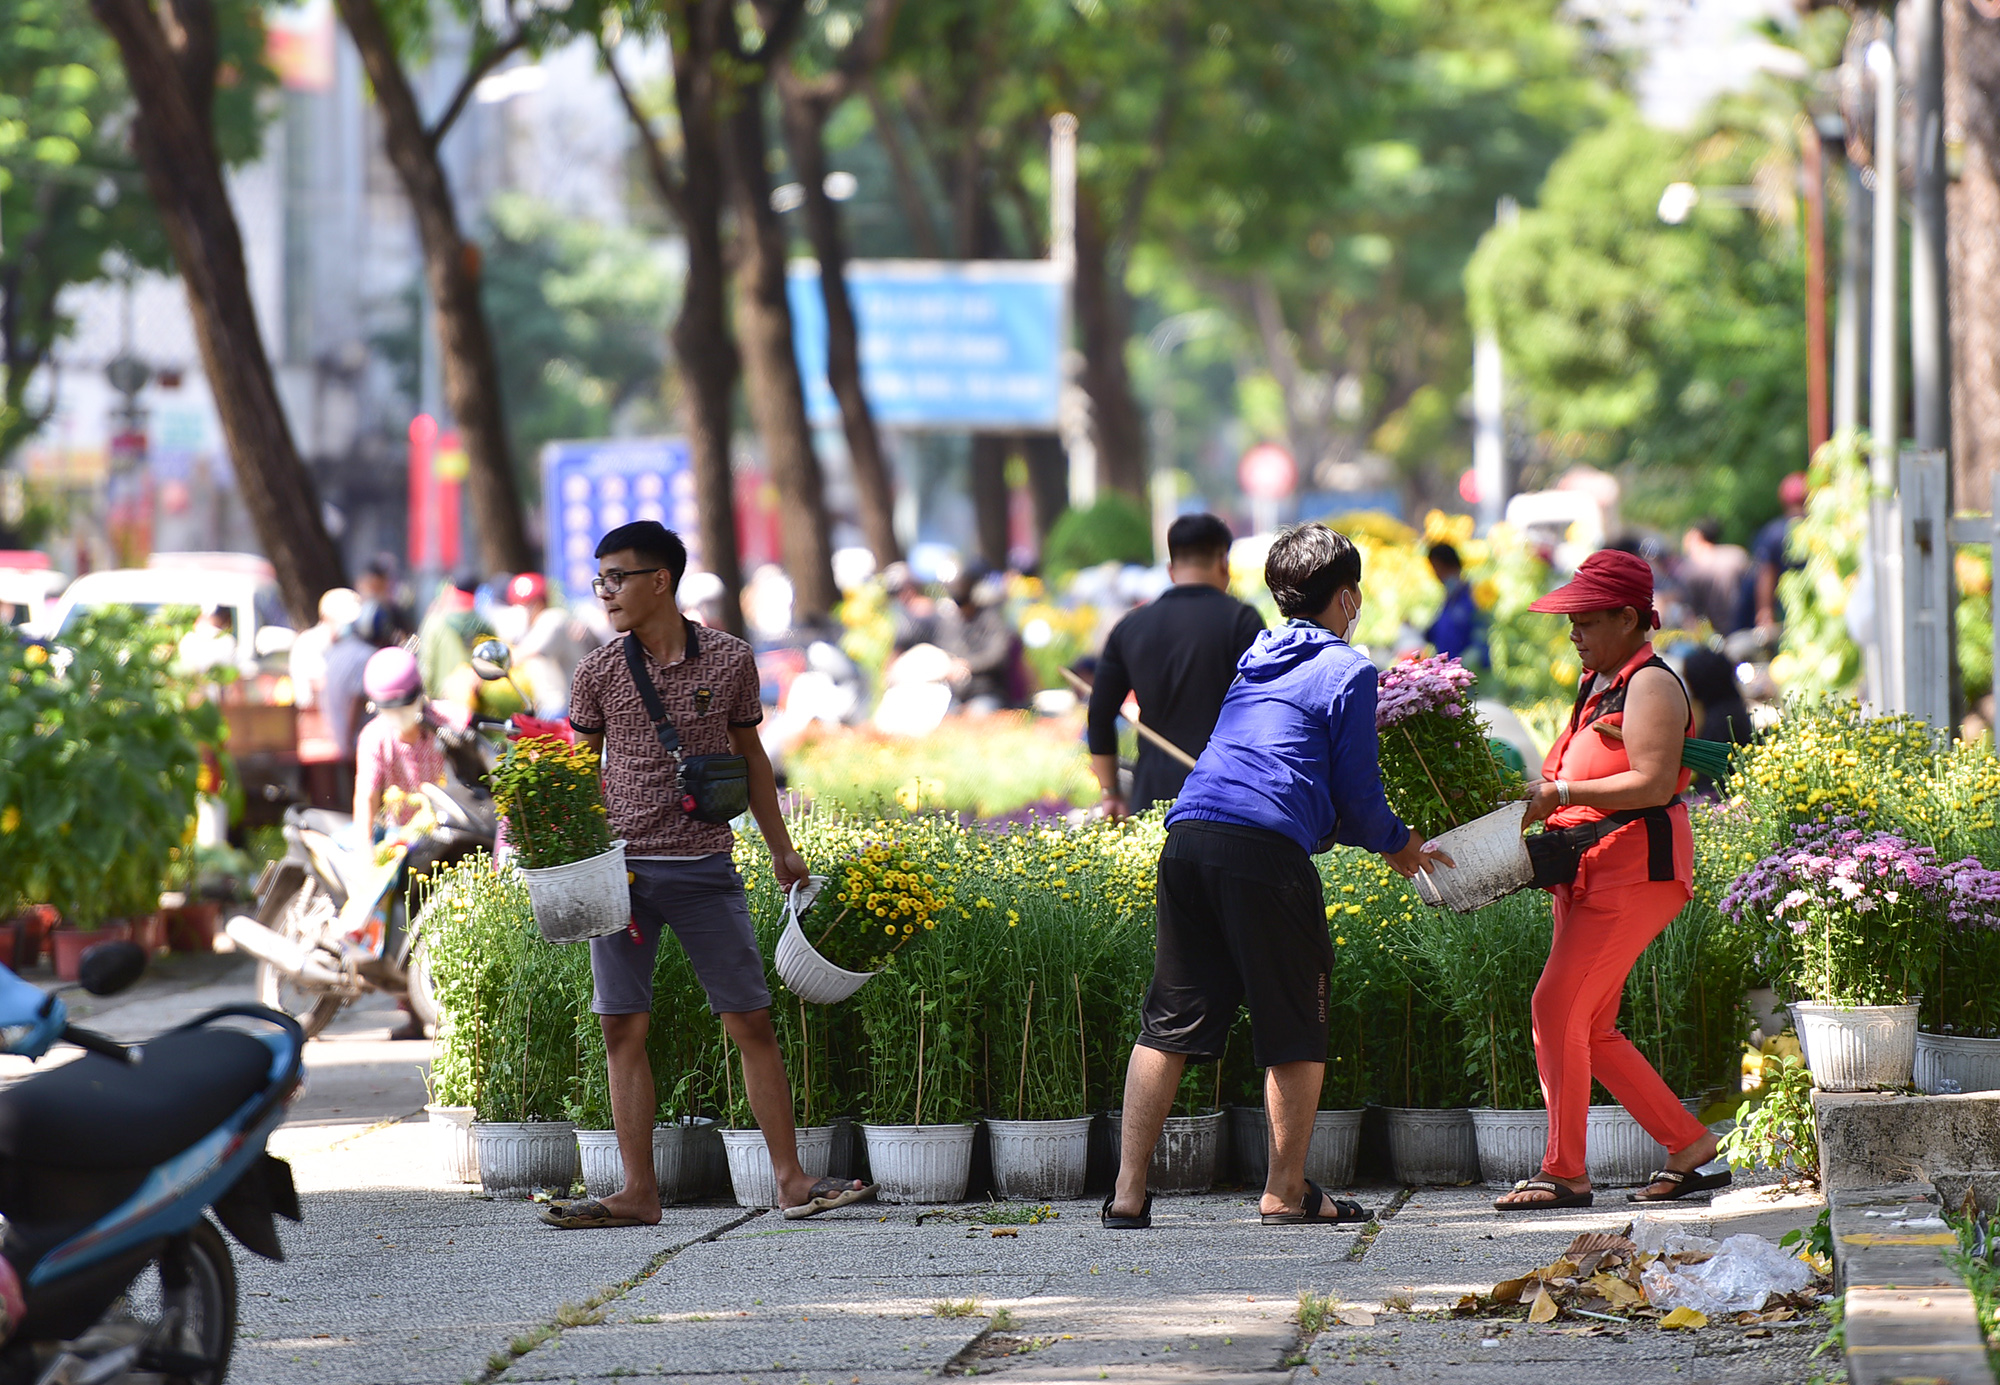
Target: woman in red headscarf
1614 778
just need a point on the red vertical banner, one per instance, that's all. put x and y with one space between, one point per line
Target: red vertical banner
448 469
423 438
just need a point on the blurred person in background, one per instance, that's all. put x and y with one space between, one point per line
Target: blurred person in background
210 645
981 641
1759 607
913 610
450 630
546 656
344 697
1720 710
1177 655
1711 575
1456 630
338 608
377 584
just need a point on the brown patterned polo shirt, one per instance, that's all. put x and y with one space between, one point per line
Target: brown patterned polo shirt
712 688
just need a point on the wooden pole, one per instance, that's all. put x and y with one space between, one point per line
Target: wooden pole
1816 399
1160 742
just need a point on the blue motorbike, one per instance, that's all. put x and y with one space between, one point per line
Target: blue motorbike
110 1268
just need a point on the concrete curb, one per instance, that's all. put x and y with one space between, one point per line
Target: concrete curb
1909 1317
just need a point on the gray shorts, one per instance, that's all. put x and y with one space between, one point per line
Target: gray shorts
703 902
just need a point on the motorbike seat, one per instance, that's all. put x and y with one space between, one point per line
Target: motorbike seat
99 1113
322 820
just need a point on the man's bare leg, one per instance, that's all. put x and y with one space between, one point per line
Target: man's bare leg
633 1104
770 1093
1291 1101
1151 1079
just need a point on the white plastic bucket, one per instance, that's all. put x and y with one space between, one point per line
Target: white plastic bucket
1431 1146
1858 1048
751 1176
603 1170
671 1143
1949 1063
920 1163
582 900
1188 1155
1250 1145
451 1127
518 1157
1510 1142
1039 1159
1336 1140
809 975
1492 861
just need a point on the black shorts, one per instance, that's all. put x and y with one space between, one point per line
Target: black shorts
1241 917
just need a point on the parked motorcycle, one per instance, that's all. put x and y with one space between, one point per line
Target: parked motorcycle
110 1268
333 920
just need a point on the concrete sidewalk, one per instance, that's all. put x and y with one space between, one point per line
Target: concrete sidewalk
399 1279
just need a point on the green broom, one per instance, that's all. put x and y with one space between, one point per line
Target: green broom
1711 759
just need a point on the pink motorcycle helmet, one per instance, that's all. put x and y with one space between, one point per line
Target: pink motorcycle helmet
391 679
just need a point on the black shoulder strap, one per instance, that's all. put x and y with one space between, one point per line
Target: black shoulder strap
1614 696
670 738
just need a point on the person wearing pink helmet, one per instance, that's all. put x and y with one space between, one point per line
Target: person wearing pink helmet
398 747
545 658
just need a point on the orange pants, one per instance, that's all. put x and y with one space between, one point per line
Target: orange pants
1597 939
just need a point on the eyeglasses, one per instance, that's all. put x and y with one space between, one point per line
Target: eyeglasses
610 582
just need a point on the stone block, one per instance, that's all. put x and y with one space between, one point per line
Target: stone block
1868 1139
1982 1186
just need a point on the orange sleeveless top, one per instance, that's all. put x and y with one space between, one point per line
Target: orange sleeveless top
1581 753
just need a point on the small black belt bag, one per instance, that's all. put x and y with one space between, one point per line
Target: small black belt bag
713 788
1556 852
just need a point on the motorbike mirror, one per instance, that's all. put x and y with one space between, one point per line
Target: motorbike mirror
491 660
109 968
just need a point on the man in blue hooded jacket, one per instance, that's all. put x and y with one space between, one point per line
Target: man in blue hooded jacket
1291 770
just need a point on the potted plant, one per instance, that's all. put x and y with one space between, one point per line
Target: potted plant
920 1017
588 1109
1851 919
1958 1046
1427 1094
842 930
548 794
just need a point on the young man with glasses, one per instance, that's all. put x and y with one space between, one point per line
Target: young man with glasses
706 683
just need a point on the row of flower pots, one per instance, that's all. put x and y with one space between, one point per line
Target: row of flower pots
1863 1048
26 937
1035 1160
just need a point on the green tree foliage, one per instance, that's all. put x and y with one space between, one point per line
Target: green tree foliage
1115 529
72 201
579 314
1675 350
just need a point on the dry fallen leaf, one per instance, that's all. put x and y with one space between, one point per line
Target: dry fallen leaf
1685 1317
1544 1309
1510 1290
1598 1240
1356 1317
1468 1303
1616 1291
1564 1268
1006 1231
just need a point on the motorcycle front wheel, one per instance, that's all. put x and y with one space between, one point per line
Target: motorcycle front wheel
423 999
186 1304
299 917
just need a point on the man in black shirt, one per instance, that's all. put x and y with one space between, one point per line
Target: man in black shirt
1178 656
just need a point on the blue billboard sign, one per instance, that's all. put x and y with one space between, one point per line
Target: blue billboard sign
591 487
944 343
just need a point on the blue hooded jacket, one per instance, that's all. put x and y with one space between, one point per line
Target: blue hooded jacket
1295 749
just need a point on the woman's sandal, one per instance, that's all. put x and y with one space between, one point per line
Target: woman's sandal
588 1215
1125 1221
1562 1197
1684 1183
1313 1206
829 1193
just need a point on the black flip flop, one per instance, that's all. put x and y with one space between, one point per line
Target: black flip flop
829 1193
1684 1183
1563 1197
588 1215
1313 1206
1119 1221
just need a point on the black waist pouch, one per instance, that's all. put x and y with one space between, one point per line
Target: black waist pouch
713 788
1555 853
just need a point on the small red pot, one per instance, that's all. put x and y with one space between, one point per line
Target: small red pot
10 933
67 945
192 927
32 927
149 931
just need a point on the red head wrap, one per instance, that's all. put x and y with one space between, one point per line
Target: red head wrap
1607 581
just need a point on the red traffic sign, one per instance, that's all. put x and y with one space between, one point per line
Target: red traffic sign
1267 472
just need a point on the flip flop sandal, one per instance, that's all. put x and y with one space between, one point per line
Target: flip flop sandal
1313 1207
1563 1197
1121 1221
1684 1183
829 1193
588 1215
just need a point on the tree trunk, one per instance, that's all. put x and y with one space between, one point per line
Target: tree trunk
451 269
1972 103
764 332
989 495
1103 320
805 117
170 60
1048 480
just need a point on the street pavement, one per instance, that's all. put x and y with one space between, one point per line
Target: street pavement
397 1277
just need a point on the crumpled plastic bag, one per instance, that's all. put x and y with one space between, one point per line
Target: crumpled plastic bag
1738 1278
1658 1236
